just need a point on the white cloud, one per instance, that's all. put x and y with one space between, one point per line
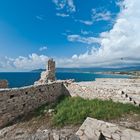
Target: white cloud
40 17
86 40
86 22
43 48
22 63
101 16
84 32
6 64
71 6
33 61
119 47
122 41
67 5
62 15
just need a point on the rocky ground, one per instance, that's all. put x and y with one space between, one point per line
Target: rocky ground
129 121
93 129
40 128
37 128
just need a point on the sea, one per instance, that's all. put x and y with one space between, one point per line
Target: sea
20 79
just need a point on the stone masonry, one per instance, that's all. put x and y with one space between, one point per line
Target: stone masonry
17 102
3 84
48 75
119 90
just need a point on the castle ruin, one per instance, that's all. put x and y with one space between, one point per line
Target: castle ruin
47 76
18 102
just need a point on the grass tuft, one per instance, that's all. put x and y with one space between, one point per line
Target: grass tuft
76 110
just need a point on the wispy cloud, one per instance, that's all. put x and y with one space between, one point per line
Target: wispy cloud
40 17
71 5
101 16
86 22
96 16
83 32
43 48
85 40
67 5
62 15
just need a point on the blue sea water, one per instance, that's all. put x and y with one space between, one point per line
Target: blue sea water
19 79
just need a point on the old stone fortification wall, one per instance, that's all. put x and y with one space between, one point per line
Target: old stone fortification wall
3 84
119 90
18 101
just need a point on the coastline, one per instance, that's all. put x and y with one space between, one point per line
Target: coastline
132 74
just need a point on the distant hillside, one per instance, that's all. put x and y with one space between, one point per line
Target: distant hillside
38 70
137 68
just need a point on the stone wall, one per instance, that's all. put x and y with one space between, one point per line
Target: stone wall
19 101
3 84
119 90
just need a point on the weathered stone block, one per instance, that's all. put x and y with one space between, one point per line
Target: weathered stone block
3 84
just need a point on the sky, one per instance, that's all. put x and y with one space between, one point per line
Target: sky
76 33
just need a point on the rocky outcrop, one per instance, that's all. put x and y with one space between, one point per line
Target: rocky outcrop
93 129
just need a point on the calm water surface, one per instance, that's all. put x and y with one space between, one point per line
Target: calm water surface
19 79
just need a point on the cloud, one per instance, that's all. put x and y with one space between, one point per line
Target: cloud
62 15
83 32
43 48
67 5
40 17
21 63
101 16
86 22
119 47
33 61
85 40
97 15
6 64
